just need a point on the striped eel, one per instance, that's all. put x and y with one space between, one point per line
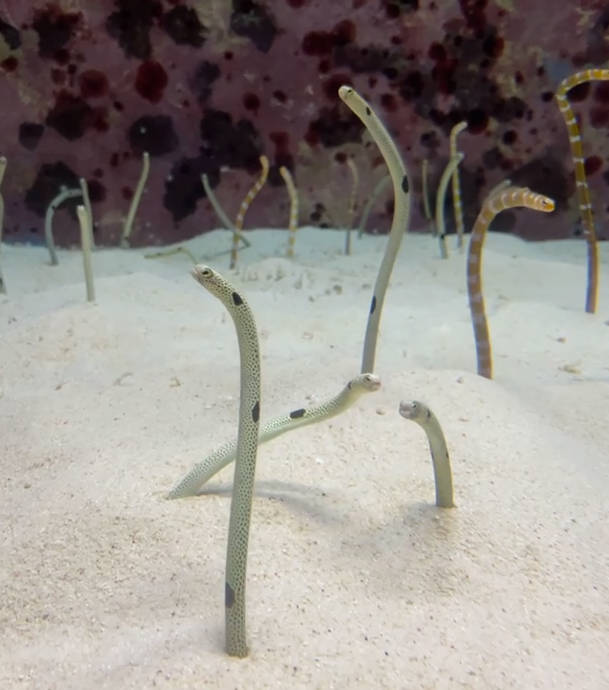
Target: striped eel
418 412
225 454
245 204
293 194
247 446
583 191
493 204
401 214
456 186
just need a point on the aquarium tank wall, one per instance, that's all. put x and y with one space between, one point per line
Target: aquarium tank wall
208 87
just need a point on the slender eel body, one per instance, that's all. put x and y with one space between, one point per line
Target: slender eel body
352 202
493 204
135 201
86 234
293 194
2 169
581 183
376 192
48 219
456 186
245 204
425 188
421 414
401 215
247 446
225 454
84 188
447 175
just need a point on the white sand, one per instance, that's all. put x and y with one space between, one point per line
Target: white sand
355 578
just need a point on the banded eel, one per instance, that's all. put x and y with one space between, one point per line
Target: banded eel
493 204
245 204
583 191
456 186
293 227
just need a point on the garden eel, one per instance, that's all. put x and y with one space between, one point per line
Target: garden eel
86 233
456 187
64 193
213 200
135 201
449 171
352 202
401 214
245 204
493 204
225 454
247 446
581 184
421 414
2 169
424 188
84 188
293 194
376 192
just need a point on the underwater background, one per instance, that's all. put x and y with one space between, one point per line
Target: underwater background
209 86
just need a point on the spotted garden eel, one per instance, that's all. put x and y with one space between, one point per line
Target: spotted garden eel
401 214
247 446
225 454
455 184
493 204
425 190
449 171
352 203
245 204
379 188
293 194
64 193
583 191
135 201
418 412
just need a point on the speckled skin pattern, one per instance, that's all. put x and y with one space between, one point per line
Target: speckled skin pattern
494 204
247 446
418 412
225 454
401 214
208 85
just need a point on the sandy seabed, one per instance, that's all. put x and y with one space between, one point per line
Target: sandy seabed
355 578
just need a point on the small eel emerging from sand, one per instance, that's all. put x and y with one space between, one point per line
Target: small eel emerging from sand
247 446
225 454
418 412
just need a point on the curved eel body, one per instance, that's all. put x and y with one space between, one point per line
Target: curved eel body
418 412
225 454
401 214
493 204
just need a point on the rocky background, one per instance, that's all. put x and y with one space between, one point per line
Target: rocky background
207 86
